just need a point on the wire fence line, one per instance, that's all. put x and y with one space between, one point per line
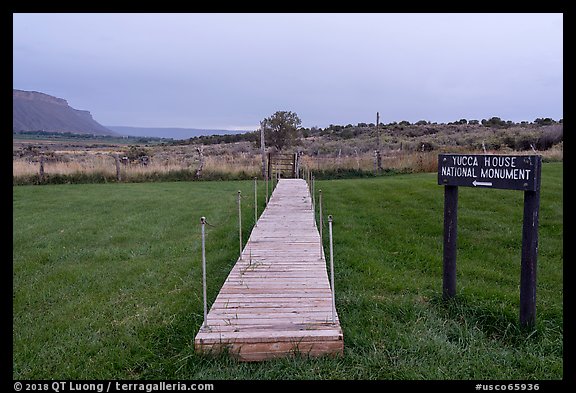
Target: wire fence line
235 211
308 175
229 209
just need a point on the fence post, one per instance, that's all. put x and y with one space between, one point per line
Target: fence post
263 151
240 222
255 201
320 219
117 160
332 269
203 222
41 169
200 151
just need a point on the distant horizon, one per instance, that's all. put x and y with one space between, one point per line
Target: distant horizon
180 128
170 132
244 129
256 128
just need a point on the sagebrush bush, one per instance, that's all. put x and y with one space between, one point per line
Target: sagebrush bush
335 152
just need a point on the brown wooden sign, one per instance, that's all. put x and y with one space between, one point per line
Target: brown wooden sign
510 172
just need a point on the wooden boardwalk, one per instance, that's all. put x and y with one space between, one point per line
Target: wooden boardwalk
276 300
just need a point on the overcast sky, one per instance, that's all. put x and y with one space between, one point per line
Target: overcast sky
229 71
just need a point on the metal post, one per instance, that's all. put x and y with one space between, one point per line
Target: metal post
311 177
203 222
332 269
310 186
320 219
312 203
255 201
296 165
269 166
313 200
450 236
240 223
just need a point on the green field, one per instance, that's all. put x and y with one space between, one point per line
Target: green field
107 281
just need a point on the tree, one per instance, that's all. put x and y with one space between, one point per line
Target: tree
544 121
281 129
494 121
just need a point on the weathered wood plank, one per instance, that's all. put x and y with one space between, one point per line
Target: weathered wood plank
276 300
252 352
328 334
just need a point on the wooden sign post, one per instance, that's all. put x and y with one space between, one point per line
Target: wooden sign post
511 172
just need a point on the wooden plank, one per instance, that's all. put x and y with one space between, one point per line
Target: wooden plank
269 302
222 310
269 336
256 352
263 314
276 301
296 297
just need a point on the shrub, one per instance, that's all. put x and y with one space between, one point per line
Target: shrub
550 137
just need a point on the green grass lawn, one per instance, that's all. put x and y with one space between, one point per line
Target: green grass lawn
107 281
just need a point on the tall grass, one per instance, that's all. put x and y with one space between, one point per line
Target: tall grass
98 169
169 165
